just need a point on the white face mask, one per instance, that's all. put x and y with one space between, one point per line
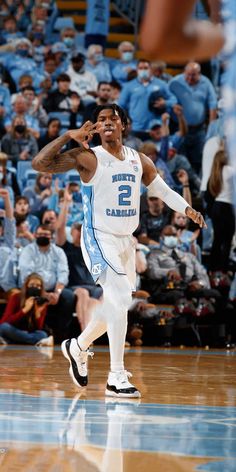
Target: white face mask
170 241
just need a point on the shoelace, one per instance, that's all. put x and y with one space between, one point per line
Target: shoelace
124 376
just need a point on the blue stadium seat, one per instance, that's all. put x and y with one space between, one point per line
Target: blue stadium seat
72 176
63 22
63 116
21 169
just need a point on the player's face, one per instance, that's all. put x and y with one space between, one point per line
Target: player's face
111 126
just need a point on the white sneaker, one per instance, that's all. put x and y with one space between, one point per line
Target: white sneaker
46 341
118 385
78 360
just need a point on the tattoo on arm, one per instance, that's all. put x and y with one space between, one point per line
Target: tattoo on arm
51 160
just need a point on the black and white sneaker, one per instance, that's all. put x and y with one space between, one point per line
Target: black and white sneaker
78 360
119 386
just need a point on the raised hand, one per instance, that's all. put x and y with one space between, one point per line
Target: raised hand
85 133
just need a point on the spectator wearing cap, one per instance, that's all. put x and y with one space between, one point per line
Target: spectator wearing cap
196 95
96 63
126 62
135 95
59 51
83 81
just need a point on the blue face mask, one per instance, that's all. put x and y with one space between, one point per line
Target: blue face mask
98 57
22 52
127 56
69 42
170 241
143 74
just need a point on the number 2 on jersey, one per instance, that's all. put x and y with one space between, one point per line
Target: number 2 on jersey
124 195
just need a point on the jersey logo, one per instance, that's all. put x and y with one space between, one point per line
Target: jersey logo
97 269
134 165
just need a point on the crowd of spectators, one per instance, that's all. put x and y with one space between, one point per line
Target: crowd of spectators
49 82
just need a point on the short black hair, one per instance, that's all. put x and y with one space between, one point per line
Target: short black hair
112 106
63 78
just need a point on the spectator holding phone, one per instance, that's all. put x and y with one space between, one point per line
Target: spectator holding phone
24 316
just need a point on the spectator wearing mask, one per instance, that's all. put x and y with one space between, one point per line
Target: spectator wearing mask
39 193
51 263
21 107
83 81
21 62
125 64
167 264
134 97
24 317
186 239
19 144
96 63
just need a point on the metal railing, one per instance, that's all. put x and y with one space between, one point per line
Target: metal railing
131 10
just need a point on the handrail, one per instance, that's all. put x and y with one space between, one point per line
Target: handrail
131 10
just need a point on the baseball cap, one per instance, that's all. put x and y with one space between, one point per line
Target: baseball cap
155 123
59 47
78 56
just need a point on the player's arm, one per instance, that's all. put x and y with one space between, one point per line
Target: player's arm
158 188
51 158
168 32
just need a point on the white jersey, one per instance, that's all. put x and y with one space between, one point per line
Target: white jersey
111 199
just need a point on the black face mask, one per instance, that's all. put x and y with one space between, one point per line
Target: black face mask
42 241
33 292
20 129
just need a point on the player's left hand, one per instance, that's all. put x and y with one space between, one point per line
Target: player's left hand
195 216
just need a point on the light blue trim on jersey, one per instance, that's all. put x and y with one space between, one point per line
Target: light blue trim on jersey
98 261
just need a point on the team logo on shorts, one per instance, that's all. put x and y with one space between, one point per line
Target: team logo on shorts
97 269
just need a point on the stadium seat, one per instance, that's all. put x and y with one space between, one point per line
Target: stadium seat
63 22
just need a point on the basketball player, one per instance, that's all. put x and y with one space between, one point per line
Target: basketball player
111 177
170 33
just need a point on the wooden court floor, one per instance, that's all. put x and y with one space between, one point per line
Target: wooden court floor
185 420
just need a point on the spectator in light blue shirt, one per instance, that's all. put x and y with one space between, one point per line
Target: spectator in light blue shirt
125 64
96 63
135 95
196 94
5 105
7 243
20 62
51 263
